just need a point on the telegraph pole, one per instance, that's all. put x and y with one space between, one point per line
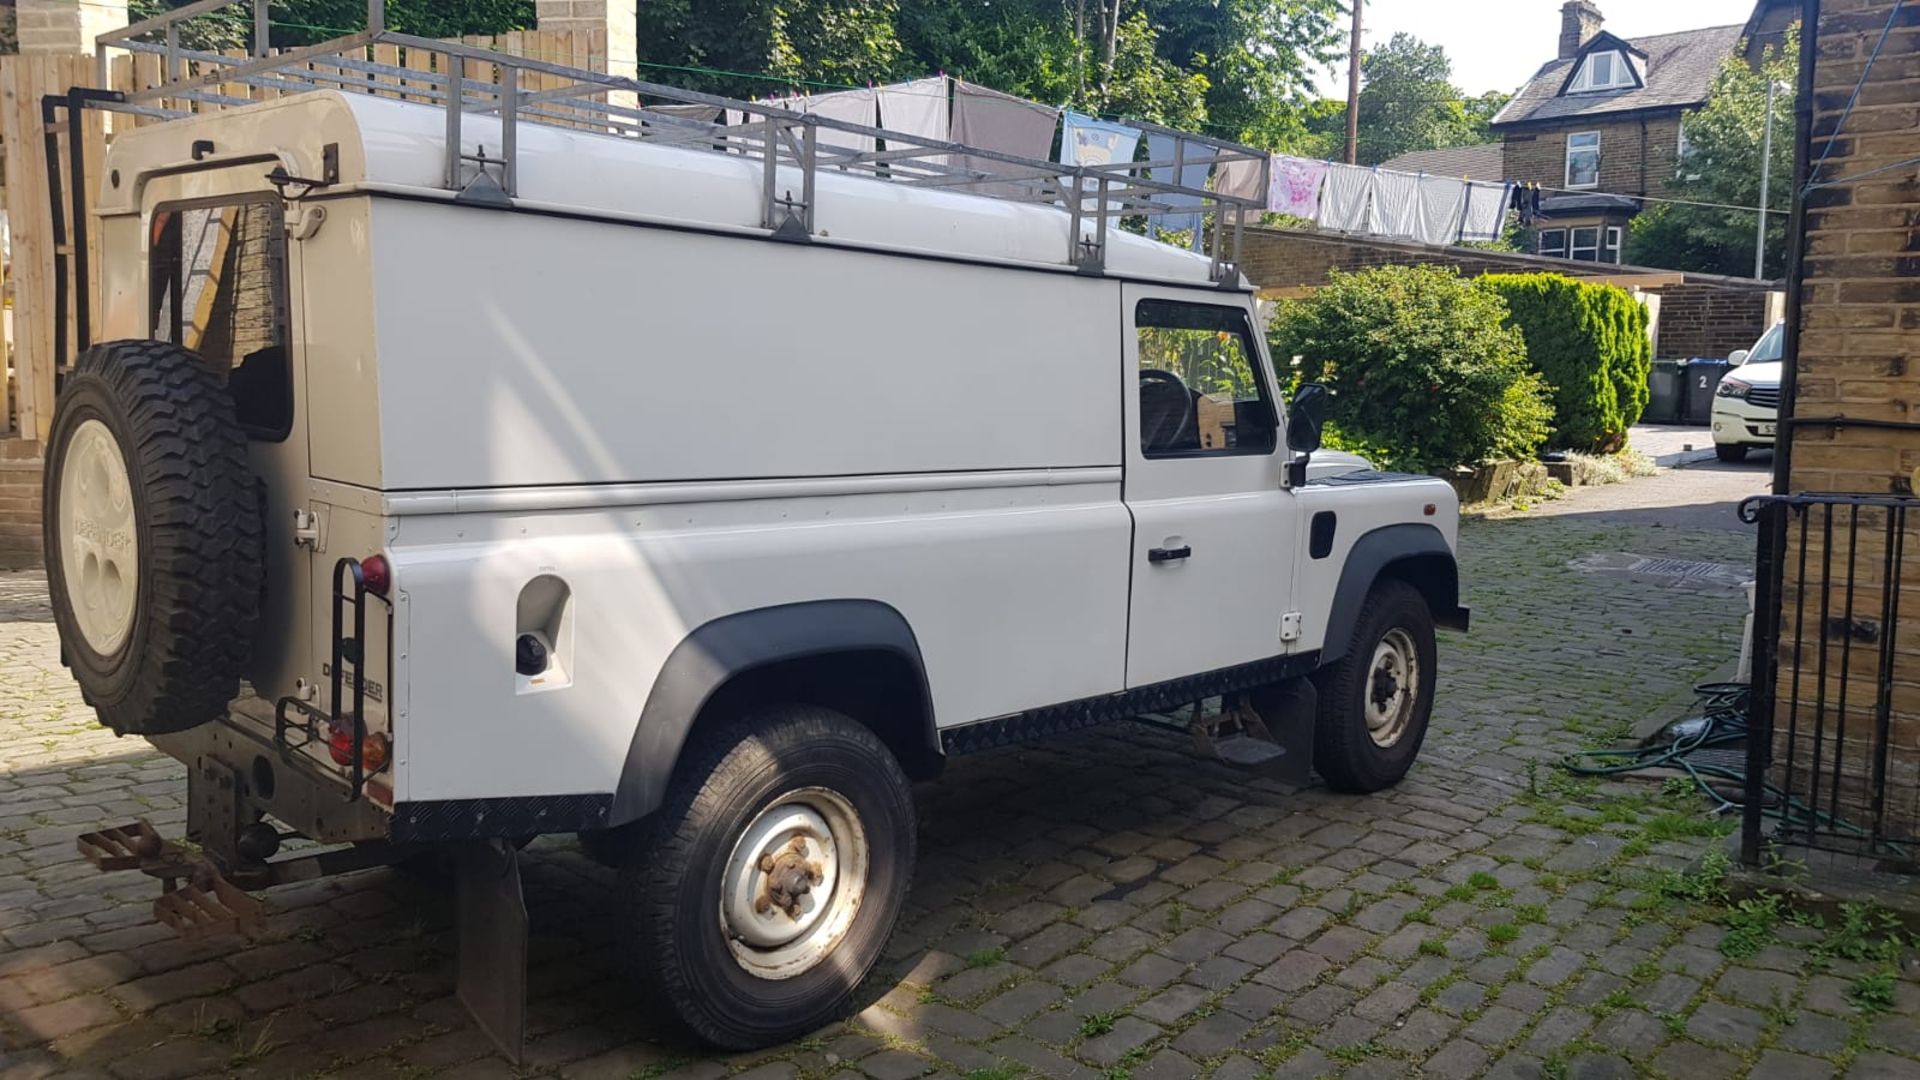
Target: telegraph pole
1766 162
1353 88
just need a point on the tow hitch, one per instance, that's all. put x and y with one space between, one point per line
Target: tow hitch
195 899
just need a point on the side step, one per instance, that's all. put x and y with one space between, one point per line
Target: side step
1275 740
195 900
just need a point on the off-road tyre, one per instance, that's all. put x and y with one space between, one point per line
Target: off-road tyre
196 534
1345 753
671 882
1730 453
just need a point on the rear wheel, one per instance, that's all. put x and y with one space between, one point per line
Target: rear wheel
764 889
1730 452
153 536
1375 701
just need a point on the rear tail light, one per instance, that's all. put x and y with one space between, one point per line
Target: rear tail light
377 574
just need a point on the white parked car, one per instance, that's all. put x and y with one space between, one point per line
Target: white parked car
439 480
1746 404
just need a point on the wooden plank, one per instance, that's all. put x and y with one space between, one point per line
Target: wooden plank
390 56
24 203
420 60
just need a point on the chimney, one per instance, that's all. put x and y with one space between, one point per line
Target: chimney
1580 20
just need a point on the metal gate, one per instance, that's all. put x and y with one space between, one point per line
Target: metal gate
1833 751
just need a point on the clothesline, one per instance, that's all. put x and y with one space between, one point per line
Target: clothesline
1384 202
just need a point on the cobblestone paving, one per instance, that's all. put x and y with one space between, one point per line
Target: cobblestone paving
1100 906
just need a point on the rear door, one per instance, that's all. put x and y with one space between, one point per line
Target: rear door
218 282
1214 526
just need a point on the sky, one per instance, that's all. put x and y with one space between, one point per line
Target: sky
1499 44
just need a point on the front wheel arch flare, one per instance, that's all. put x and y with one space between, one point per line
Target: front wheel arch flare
1415 553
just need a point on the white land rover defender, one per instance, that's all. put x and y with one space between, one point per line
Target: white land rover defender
439 477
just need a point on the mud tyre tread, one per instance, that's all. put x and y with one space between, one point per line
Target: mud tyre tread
668 885
1344 755
199 528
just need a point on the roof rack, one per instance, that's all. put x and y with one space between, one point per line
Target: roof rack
467 79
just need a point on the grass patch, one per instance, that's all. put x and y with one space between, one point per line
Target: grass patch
1502 933
1098 1024
980 958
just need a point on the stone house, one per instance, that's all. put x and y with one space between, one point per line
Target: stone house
1601 125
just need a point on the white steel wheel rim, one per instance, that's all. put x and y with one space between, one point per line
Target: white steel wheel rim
99 545
794 883
1393 681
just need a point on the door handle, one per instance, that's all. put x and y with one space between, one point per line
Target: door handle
1160 555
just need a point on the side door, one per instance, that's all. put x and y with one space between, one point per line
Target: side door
1214 526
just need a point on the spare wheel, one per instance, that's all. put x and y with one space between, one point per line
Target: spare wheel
153 536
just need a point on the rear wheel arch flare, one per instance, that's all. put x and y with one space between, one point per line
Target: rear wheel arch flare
857 656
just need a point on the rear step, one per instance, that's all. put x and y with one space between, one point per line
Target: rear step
195 900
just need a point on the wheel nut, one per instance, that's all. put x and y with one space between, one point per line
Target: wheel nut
761 905
766 864
799 845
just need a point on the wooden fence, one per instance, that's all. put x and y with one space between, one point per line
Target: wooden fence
27 279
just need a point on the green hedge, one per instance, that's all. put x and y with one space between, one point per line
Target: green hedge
1424 372
1589 342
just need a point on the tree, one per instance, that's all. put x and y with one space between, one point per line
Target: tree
1722 165
1408 103
305 22
1258 57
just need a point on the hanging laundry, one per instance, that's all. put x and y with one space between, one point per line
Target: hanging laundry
1167 148
1438 208
1295 188
848 106
1346 197
918 108
1395 209
1484 217
1089 140
1241 179
992 120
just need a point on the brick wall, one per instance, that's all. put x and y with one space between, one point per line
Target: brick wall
1707 320
1625 146
1704 317
1859 357
19 504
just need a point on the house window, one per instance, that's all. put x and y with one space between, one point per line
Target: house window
1680 151
1602 71
1583 159
1583 243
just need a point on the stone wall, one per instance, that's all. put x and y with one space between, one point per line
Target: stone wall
19 504
1859 358
1637 157
1704 316
66 26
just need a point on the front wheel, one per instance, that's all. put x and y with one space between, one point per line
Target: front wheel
1730 452
1375 700
764 889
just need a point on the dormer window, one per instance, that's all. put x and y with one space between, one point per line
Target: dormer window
1603 70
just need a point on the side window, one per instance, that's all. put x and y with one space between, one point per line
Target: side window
1199 391
217 285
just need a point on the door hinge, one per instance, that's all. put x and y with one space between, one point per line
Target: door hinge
309 530
1290 626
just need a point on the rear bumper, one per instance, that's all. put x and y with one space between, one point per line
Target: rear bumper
233 760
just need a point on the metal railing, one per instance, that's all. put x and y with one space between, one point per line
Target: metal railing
1833 750
1096 197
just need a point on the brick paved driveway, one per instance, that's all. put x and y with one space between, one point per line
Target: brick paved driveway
1099 906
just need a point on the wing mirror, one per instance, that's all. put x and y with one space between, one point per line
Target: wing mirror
1306 416
1738 357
